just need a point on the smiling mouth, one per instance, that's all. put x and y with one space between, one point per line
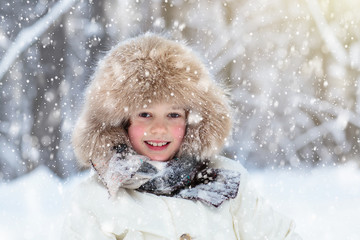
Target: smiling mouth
157 144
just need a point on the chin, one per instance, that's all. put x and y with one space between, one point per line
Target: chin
159 159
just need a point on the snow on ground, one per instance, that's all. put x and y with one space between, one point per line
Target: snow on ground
323 202
32 206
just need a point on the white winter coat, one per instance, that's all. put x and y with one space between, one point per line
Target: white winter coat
137 215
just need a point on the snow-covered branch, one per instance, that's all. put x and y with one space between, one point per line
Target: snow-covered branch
321 106
328 36
311 135
29 35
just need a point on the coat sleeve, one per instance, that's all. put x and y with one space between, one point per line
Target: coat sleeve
254 219
73 231
88 218
80 223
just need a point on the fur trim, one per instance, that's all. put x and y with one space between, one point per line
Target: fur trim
137 73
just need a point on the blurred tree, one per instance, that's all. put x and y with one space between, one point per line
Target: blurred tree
46 109
292 67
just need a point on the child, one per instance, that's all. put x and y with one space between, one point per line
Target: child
151 128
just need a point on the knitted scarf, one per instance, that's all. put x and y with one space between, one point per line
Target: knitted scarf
184 177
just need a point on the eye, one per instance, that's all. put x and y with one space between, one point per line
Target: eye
174 115
144 115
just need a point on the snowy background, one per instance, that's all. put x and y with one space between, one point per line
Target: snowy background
292 67
323 202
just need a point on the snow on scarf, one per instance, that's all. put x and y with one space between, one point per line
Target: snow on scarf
184 177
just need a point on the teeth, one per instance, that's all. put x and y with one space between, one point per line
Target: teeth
157 144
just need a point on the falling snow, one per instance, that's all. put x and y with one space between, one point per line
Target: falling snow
290 67
323 202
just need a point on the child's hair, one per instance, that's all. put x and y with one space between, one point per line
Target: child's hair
146 70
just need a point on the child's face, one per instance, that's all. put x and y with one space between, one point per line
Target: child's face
157 132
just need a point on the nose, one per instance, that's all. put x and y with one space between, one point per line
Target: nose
158 126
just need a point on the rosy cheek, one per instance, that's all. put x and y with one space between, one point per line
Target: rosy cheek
179 131
136 133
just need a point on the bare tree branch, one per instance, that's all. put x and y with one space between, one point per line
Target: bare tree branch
335 47
29 35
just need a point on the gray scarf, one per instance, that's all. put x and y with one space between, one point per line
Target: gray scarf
184 177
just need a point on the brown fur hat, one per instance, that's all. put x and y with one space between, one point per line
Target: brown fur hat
146 70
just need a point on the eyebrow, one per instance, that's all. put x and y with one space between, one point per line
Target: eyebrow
177 108
171 108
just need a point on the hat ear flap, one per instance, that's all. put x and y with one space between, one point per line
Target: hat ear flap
93 143
207 127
